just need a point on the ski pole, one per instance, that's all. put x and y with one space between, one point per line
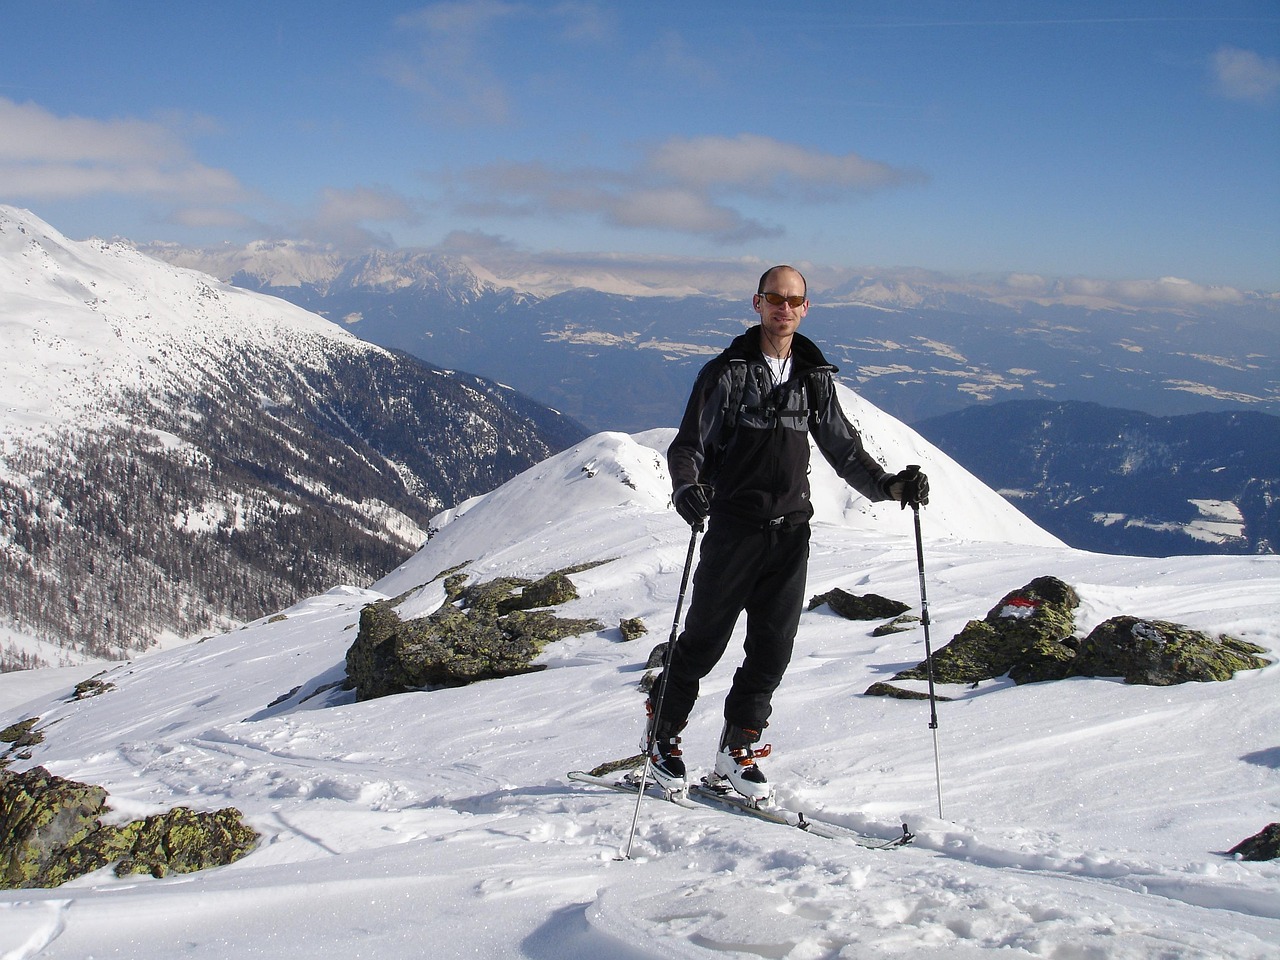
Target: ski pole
928 648
662 687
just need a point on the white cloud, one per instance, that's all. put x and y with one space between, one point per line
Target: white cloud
217 218
1171 291
364 204
343 217
1245 75
684 211
44 156
691 186
762 165
1164 292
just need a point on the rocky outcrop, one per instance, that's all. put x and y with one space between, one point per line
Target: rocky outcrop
870 606
632 628
51 831
1264 845
481 632
1159 653
1029 636
20 737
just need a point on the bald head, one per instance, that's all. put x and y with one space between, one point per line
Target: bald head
772 272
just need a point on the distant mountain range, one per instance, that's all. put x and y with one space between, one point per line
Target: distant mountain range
177 455
1117 481
915 346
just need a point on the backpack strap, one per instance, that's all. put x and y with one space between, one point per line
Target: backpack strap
817 391
737 386
818 386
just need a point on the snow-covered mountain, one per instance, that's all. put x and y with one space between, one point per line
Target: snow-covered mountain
1083 818
179 454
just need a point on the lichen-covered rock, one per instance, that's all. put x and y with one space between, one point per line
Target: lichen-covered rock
899 624
51 832
851 606
93 687
1027 636
482 632
1263 845
23 733
632 628
551 591
898 693
1160 653
184 841
40 816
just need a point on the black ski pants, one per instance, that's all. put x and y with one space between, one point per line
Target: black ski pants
757 568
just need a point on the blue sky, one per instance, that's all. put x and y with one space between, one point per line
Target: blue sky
1117 140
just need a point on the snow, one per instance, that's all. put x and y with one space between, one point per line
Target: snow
81 320
1082 819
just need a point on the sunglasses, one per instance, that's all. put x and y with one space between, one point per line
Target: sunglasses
778 300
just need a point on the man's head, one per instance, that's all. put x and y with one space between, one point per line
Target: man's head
782 301
767 277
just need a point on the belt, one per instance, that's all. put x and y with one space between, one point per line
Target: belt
785 522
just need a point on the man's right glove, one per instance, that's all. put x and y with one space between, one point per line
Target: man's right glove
692 504
909 487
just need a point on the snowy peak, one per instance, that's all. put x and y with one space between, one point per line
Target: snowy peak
323 271
272 263
587 501
84 319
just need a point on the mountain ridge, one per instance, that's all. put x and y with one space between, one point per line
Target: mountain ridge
219 451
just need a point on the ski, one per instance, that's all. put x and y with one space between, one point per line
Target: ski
625 784
725 797
707 796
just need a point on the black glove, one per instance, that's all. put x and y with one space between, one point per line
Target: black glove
692 504
909 487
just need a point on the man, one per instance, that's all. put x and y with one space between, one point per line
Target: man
747 470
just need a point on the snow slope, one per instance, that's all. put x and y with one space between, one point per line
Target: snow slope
1082 819
84 319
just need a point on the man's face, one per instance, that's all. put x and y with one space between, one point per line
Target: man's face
781 320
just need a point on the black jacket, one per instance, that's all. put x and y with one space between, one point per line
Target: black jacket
759 468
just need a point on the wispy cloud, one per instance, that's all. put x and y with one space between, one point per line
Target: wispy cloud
47 157
449 67
454 46
345 217
695 186
763 166
1245 75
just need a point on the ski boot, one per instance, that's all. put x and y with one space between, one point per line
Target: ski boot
736 763
665 758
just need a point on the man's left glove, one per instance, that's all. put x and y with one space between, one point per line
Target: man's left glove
909 487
